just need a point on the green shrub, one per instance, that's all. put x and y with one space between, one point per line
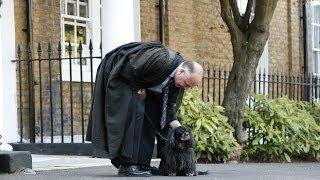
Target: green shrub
213 135
281 129
314 109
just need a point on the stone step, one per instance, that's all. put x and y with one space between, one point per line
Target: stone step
12 161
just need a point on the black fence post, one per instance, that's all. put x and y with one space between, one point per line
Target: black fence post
61 92
81 90
71 89
91 68
50 89
20 93
315 84
40 92
32 135
208 84
214 84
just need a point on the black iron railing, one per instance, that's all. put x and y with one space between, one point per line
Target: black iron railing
54 99
47 102
296 87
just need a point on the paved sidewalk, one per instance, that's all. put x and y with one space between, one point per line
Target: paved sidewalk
86 168
54 162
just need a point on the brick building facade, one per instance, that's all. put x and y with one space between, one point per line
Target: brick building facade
194 28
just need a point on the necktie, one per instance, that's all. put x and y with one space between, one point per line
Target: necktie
164 106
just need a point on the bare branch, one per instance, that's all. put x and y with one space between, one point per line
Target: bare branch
235 11
227 16
247 14
263 14
259 28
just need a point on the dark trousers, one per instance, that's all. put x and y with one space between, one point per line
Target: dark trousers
147 118
153 111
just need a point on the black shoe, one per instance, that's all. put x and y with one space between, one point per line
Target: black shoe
152 169
132 170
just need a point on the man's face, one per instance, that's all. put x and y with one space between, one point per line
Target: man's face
184 80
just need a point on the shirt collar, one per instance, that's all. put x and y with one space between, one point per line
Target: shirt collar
172 74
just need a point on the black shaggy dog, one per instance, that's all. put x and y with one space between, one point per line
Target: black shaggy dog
179 159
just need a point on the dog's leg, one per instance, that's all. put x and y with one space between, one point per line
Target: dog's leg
189 169
173 174
190 174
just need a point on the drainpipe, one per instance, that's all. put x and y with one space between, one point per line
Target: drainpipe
304 38
29 19
305 68
161 20
30 75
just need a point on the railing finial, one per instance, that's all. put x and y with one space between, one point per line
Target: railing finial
90 45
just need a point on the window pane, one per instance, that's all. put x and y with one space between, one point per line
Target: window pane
68 19
81 34
85 1
84 11
71 8
316 32
69 33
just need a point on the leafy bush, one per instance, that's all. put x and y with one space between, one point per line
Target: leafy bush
314 109
281 129
213 135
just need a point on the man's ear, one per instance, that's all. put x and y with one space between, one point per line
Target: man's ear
180 71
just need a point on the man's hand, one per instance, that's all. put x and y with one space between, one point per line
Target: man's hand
174 124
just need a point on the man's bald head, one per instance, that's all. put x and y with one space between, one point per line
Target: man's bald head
189 74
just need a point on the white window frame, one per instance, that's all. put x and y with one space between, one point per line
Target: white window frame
312 64
93 28
314 24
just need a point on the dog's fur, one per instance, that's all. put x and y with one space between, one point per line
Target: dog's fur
179 159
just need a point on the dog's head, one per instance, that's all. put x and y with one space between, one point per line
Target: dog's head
181 138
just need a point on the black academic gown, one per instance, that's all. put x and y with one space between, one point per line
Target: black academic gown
121 73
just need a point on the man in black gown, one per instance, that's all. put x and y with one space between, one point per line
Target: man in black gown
138 89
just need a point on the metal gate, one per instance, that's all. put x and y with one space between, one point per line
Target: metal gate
54 93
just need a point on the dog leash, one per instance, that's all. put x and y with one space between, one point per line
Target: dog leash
154 128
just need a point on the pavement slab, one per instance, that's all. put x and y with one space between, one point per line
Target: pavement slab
241 171
54 167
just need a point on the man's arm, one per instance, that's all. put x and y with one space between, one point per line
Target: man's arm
174 102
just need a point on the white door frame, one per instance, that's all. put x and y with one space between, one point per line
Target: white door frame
8 103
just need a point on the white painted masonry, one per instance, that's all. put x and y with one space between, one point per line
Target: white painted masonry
8 103
120 23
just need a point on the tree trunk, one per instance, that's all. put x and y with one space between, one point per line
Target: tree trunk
246 59
248 40
236 94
